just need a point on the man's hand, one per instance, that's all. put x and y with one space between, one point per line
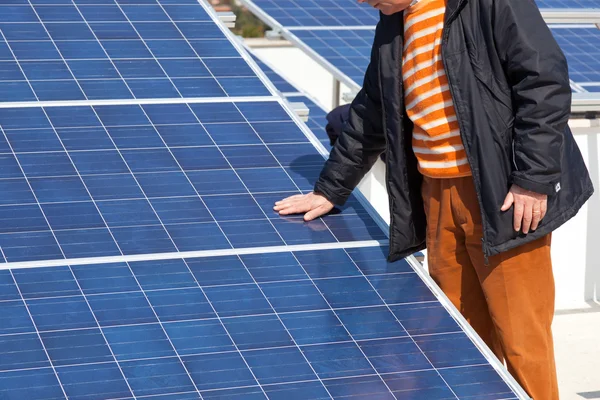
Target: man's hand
530 208
388 7
313 205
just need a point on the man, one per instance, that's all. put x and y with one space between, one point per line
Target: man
469 100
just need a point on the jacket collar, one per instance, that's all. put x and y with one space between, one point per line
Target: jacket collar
452 7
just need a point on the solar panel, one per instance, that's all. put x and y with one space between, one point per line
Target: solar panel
107 50
316 324
574 4
347 51
136 179
303 13
582 49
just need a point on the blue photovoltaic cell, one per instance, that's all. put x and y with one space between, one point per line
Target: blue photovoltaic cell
582 49
347 50
303 325
300 13
105 50
568 3
158 178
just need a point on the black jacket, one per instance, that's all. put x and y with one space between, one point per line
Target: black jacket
511 91
336 120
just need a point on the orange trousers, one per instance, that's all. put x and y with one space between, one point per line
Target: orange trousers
510 301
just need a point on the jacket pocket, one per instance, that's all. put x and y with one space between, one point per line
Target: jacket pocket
502 112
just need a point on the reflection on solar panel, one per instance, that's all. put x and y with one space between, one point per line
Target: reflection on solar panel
306 325
117 51
582 49
346 50
568 4
294 13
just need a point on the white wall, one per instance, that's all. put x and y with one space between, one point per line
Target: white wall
576 246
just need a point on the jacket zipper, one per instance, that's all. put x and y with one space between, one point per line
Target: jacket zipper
387 158
467 151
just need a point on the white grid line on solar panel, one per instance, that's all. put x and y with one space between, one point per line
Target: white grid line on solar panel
272 308
113 159
296 13
147 101
581 46
170 78
192 254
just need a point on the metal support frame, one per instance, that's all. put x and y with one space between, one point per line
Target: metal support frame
228 18
274 34
336 92
301 110
571 16
348 97
586 105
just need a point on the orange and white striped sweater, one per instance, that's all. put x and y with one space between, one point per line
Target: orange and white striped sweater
436 138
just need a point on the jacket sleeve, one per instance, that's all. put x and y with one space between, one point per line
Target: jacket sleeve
362 140
536 70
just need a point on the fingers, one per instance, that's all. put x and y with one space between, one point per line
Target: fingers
528 214
316 213
536 215
312 204
529 208
518 215
294 207
527 217
287 200
508 201
544 208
